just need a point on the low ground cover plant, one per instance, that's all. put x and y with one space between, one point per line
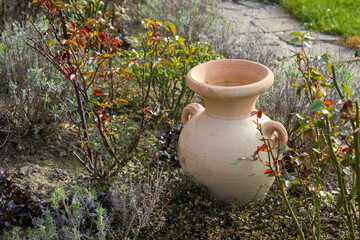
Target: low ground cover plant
30 89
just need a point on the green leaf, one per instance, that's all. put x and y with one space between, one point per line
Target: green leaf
347 89
307 42
283 149
251 158
325 58
329 66
308 35
298 91
99 104
316 75
239 160
296 34
316 150
344 132
303 127
295 40
333 117
316 106
300 116
347 171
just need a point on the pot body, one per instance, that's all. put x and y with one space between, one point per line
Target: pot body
215 137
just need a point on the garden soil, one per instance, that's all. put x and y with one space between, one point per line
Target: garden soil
38 165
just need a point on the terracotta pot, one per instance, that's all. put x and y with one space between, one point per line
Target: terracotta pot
215 137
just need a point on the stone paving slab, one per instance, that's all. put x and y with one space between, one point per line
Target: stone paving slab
253 16
316 37
278 24
335 50
271 12
231 6
236 15
251 4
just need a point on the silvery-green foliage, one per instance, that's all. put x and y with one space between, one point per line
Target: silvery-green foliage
30 86
137 200
75 218
191 17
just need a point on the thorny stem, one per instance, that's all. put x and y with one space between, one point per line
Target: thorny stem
318 182
336 82
277 176
341 183
356 124
83 123
283 193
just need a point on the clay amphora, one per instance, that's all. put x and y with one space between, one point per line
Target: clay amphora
215 137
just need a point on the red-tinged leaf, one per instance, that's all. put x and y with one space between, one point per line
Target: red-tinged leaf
253 113
102 76
259 113
262 148
122 100
329 102
347 106
263 112
71 69
117 41
83 32
57 56
104 117
279 139
98 93
88 29
103 36
344 150
72 23
82 43
44 34
65 55
269 173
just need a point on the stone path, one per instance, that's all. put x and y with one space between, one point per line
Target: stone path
277 25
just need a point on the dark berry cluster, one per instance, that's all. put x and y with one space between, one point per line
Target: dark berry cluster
168 145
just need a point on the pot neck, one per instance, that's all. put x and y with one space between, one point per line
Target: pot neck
230 108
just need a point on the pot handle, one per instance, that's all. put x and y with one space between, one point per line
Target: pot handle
190 111
270 127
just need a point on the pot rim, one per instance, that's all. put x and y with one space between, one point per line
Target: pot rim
261 78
